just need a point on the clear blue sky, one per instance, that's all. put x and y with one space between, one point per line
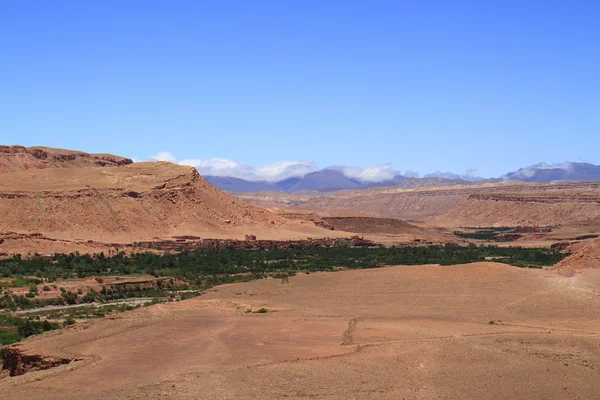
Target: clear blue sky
424 85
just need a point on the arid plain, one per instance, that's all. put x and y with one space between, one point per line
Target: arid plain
486 331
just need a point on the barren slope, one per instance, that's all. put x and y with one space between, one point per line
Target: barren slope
586 256
508 204
544 208
371 225
419 332
129 203
18 158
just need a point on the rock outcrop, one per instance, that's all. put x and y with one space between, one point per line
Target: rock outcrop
18 363
19 158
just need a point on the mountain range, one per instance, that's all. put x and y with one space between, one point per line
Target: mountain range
332 180
569 171
325 180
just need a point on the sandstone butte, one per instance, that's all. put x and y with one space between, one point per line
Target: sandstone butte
73 195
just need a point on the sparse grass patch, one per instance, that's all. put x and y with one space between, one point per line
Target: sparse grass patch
9 337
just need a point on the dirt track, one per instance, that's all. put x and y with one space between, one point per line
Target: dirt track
419 332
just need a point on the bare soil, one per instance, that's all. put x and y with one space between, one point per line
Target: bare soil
477 331
499 204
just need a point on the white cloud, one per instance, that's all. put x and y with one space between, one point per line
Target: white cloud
289 169
468 175
163 156
286 169
375 173
225 167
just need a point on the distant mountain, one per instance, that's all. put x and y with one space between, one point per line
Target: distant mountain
332 180
467 176
557 172
326 181
231 184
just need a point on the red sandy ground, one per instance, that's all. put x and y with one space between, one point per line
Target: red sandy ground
419 332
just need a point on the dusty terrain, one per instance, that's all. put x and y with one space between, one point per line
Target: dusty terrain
131 203
499 204
387 231
571 211
421 332
586 255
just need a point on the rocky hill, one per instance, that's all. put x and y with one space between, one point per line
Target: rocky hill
586 256
131 202
19 158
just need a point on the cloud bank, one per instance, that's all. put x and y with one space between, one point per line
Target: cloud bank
229 168
375 173
468 175
281 170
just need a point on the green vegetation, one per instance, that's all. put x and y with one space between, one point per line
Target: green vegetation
207 267
14 302
19 282
13 329
9 336
484 233
479 235
493 228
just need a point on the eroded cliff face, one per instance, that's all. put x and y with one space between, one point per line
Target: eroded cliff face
542 208
138 201
17 363
19 158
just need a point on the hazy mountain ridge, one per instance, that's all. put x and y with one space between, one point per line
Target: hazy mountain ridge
569 171
331 180
326 180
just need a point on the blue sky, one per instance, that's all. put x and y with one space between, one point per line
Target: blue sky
421 85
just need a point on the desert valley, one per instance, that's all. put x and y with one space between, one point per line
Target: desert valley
142 280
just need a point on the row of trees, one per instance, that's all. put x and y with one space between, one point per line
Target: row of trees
227 261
